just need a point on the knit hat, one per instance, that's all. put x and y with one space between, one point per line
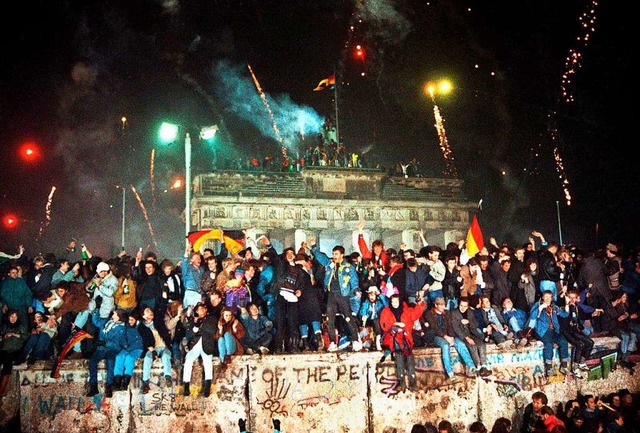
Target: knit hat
102 266
373 289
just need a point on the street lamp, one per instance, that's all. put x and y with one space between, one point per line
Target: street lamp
169 133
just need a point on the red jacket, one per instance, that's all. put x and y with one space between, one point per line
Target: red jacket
408 317
551 421
367 254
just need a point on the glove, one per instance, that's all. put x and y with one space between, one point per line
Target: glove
242 424
276 424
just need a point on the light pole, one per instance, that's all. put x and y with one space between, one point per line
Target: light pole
169 133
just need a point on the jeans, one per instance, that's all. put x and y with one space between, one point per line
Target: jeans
628 341
514 325
550 337
164 354
126 361
191 298
304 329
432 295
102 352
39 345
445 347
226 345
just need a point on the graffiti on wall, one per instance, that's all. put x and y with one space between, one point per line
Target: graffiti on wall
166 403
296 388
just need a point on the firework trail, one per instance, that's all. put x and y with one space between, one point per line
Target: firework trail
47 220
450 168
152 180
572 63
263 96
146 215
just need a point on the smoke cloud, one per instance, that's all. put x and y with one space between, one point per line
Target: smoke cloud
236 88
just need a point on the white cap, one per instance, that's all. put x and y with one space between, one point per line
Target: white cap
102 266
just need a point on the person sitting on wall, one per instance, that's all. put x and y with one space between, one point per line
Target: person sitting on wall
200 334
437 318
544 319
396 322
370 312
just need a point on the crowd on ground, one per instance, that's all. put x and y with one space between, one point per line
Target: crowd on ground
616 412
132 309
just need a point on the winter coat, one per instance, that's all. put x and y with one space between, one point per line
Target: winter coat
347 275
13 343
15 294
147 334
394 337
255 328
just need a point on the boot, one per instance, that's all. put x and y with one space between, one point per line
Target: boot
294 343
411 370
108 391
4 381
304 341
125 382
319 342
400 369
93 389
117 383
549 369
185 388
279 345
413 383
206 389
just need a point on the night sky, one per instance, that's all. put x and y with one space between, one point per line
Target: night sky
72 69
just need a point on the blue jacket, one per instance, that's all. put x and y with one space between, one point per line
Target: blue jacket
112 334
255 328
539 319
265 281
380 303
521 316
346 273
133 339
191 276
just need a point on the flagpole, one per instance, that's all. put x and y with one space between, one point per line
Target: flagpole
559 225
335 98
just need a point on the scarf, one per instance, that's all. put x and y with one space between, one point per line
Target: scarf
397 312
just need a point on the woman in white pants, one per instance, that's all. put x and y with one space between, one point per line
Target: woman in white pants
200 332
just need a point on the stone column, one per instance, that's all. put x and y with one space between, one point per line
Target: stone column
409 238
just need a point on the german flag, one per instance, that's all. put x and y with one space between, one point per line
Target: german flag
474 237
233 243
328 82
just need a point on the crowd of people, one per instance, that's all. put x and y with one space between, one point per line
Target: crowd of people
616 412
131 309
